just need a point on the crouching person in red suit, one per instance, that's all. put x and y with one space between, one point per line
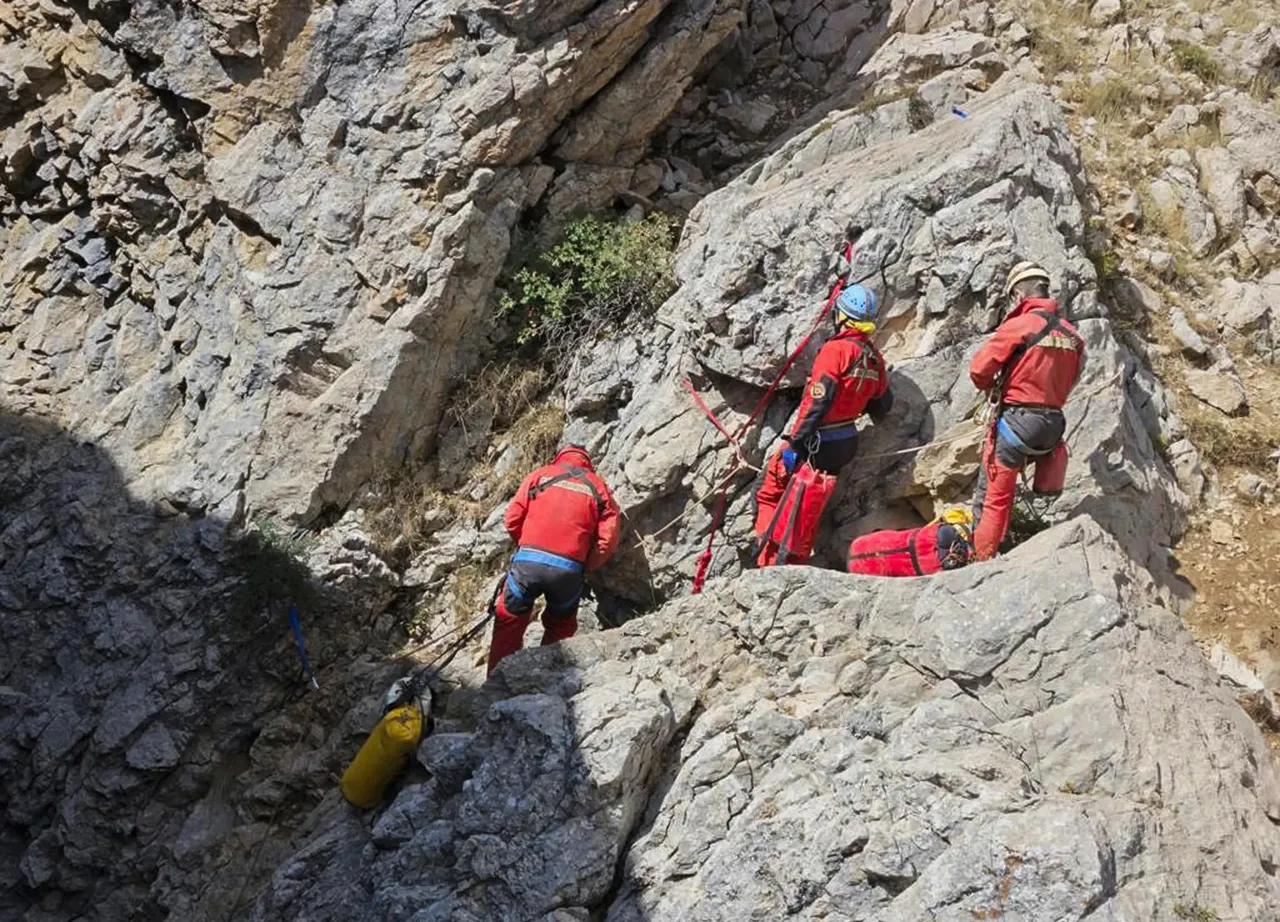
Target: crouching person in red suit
564 522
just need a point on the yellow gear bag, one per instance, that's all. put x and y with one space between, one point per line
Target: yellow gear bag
382 757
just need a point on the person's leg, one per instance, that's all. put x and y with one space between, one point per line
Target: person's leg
770 494
510 617
560 618
1051 472
980 488
1001 463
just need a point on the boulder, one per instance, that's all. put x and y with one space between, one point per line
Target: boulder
946 210
1030 738
1220 389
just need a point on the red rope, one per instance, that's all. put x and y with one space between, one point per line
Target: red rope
735 439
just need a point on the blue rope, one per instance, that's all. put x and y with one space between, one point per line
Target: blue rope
298 639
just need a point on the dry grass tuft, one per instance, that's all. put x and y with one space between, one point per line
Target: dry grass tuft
1111 100
1245 443
509 400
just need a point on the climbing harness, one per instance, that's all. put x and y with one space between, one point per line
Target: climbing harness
296 626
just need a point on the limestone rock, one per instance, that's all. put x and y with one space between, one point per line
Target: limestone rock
900 756
1105 12
1191 341
1221 390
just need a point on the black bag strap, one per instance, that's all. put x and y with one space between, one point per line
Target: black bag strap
868 360
1053 323
915 555
570 473
884 552
784 546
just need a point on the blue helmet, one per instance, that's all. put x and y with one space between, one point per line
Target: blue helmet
857 303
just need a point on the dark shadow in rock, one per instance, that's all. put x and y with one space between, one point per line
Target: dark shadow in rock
146 650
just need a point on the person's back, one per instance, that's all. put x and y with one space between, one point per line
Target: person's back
558 509
1038 350
1032 362
564 523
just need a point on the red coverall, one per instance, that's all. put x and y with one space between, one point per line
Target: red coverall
914 552
849 378
564 522
1036 356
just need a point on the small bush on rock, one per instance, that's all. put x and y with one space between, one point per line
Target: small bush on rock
273 570
1196 60
599 276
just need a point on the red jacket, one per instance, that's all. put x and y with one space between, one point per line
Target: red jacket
1040 353
575 516
849 378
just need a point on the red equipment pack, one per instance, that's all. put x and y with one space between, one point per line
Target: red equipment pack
795 524
916 551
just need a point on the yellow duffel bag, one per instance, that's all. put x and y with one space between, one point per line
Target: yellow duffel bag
382 757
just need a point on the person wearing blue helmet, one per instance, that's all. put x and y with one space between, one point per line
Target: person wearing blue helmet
849 378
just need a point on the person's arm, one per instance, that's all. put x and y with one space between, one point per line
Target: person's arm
819 394
518 509
994 355
881 405
607 530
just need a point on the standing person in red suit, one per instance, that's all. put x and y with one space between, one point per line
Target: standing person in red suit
564 522
849 378
1031 363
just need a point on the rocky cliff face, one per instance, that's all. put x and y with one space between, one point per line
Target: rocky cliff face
247 251
235 232
1028 739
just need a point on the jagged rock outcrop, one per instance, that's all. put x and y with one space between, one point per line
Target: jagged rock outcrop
1026 739
947 210
249 248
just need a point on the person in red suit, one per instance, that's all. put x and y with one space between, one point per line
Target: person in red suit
849 378
564 522
1031 363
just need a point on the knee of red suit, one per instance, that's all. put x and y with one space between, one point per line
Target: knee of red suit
559 627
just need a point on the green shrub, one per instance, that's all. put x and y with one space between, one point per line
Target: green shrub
272 570
1194 912
598 277
1196 60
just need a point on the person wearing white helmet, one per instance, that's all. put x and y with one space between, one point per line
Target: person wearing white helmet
1031 363
849 378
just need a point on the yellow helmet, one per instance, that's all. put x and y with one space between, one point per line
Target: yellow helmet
959 517
1020 273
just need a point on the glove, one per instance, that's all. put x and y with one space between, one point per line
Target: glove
789 459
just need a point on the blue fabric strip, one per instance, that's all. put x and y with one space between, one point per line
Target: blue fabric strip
551 560
1006 432
514 587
